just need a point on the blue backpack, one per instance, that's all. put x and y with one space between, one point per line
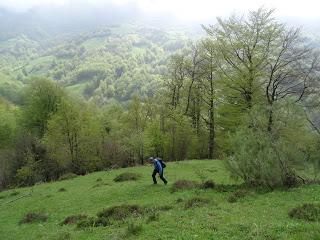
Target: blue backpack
163 165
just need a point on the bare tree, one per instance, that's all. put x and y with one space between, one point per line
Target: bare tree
291 71
243 46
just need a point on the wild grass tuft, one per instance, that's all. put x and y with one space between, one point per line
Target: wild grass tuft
34 217
307 212
183 185
238 194
73 219
196 202
127 176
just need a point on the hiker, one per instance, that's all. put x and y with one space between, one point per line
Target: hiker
158 168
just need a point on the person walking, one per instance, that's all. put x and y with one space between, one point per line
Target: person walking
158 168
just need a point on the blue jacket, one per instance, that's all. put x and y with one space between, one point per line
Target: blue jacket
158 166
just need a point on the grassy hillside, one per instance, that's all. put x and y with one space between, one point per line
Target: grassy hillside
253 216
113 62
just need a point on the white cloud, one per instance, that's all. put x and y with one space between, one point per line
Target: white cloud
22 5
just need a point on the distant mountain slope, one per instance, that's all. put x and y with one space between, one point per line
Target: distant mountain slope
106 64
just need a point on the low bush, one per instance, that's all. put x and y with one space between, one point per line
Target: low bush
307 212
85 223
127 176
73 219
209 184
196 202
105 217
34 217
67 176
62 190
183 185
235 196
121 212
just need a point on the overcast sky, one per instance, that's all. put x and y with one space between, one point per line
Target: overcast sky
188 10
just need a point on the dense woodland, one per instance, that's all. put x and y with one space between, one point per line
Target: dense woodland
246 92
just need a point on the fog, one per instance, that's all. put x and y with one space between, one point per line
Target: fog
183 10
56 16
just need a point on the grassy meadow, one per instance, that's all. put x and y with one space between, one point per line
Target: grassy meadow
221 211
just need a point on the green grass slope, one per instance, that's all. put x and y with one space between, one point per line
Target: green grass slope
255 215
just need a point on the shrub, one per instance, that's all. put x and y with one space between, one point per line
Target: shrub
117 213
209 184
121 212
34 217
62 190
67 176
85 223
196 202
263 158
27 176
183 185
73 219
241 193
134 229
127 176
307 212
99 180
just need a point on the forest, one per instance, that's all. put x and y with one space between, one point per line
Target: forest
245 91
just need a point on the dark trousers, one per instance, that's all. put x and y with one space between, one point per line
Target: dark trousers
161 176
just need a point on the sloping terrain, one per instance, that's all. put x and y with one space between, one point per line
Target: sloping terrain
184 210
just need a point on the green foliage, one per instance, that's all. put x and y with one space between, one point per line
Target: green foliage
41 99
67 176
136 60
145 92
27 176
8 122
270 158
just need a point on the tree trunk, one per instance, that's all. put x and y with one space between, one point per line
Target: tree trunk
270 121
211 133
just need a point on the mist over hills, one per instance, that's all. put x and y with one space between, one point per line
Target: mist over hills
85 47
